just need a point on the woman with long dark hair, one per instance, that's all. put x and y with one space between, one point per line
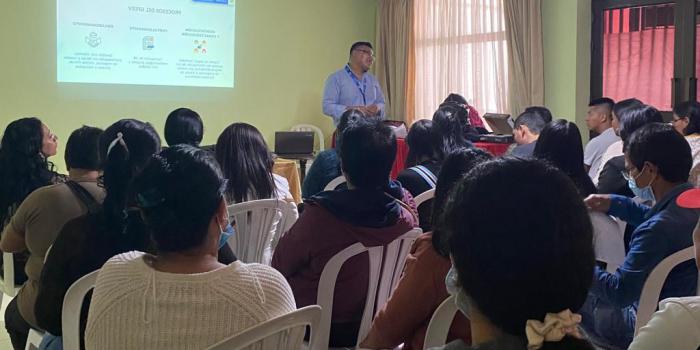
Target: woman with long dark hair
247 164
86 243
404 319
686 120
560 144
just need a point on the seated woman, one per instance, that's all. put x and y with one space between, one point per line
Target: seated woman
405 317
518 280
87 242
423 164
560 144
162 294
247 164
686 120
26 145
184 126
326 165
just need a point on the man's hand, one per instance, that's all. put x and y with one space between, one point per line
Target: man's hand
598 202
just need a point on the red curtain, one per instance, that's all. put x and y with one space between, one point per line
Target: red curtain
638 57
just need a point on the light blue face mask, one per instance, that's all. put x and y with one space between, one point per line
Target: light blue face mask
645 193
226 233
454 289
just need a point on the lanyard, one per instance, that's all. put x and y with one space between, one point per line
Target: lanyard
362 87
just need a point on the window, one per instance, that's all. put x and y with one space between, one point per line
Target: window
460 47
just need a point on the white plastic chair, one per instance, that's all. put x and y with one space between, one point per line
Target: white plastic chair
315 129
8 281
608 240
425 196
335 183
649 299
284 332
440 323
33 340
72 306
259 224
386 265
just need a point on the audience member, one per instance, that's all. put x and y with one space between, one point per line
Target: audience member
25 148
184 126
473 115
39 219
677 323
657 162
326 165
518 283
560 144
86 243
373 211
247 164
448 129
405 317
610 179
461 114
526 131
423 164
686 120
543 112
188 227
599 121
615 149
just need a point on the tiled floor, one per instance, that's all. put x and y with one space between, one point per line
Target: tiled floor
4 338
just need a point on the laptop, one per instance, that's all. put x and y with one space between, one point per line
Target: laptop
502 126
294 144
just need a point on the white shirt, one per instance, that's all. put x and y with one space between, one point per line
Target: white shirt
613 151
596 147
676 326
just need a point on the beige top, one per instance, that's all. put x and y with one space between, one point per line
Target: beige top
39 219
694 142
676 326
137 307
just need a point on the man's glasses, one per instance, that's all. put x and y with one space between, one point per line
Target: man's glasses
367 52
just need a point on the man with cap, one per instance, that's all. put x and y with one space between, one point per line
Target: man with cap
657 163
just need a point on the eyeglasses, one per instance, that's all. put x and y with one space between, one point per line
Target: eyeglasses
367 52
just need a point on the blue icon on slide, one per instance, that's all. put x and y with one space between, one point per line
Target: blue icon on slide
148 43
93 40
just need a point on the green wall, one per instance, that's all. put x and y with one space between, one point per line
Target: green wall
284 52
567 38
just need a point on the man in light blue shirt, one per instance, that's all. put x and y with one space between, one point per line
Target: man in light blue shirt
353 86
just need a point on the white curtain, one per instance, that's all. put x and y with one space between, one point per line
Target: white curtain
460 47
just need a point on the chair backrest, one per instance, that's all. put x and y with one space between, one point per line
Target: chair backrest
258 224
72 306
285 332
427 195
335 183
8 278
315 129
649 299
608 240
386 265
440 323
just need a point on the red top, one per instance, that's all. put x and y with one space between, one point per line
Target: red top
405 317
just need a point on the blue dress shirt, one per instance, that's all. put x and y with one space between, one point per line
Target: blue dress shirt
343 89
661 231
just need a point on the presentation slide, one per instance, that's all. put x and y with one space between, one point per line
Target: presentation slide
146 42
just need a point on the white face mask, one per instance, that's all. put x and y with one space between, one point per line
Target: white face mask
454 289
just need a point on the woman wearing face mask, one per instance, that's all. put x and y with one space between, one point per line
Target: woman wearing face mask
657 162
520 280
162 294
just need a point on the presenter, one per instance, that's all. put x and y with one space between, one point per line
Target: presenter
353 86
